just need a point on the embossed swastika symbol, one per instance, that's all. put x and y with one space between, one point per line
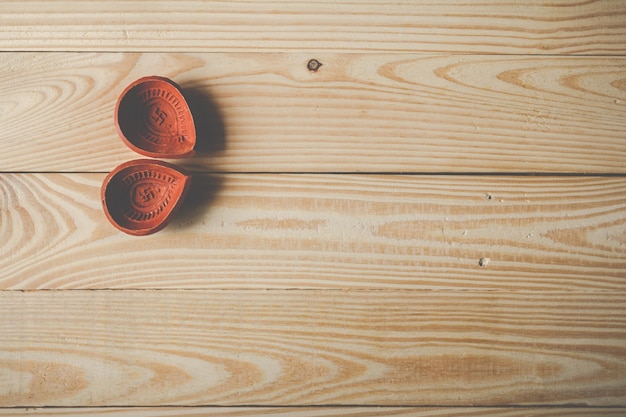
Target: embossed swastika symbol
158 116
147 194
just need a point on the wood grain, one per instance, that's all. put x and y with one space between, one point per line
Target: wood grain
525 27
318 411
357 113
300 278
324 231
97 348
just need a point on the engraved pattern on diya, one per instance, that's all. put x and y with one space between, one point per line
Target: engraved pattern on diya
153 118
140 197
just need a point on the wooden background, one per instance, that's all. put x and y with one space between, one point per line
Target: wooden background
433 223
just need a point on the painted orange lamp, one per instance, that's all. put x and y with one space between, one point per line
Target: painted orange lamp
140 197
152 117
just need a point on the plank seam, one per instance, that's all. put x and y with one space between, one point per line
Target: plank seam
385 173
324 406
269 51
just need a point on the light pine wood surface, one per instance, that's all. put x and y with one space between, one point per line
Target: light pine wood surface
313 347
433 223
357 113
517 27
324 231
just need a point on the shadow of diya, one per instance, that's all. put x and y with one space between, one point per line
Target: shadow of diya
140 197
153 118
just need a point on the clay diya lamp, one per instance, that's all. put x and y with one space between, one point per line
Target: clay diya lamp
140 197
153 119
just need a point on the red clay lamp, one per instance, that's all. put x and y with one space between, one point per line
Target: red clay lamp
141 196
153 119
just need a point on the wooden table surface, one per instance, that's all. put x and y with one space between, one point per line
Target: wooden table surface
433 223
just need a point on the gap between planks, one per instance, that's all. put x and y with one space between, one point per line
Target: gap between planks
320 411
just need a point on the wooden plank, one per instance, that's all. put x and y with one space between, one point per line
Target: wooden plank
525 27
299 347
324 231
357 113
318 411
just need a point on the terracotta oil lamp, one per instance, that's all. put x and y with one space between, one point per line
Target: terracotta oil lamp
153 118
141 196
